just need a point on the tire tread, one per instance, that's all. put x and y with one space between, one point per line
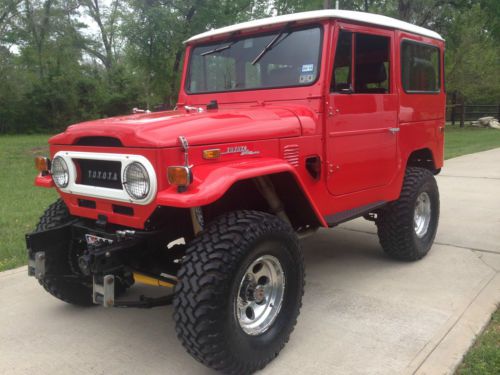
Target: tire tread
393 224
56 215
204 283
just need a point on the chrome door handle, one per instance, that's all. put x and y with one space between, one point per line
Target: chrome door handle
394 130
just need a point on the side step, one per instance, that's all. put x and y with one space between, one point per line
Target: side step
340 217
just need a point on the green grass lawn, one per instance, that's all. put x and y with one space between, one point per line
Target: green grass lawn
21 204
484 357
462 141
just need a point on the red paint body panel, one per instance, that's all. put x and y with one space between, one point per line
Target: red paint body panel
161 129
362 160
44 181
105 207
362 151
212 181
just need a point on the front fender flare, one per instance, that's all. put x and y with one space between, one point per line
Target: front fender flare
212 181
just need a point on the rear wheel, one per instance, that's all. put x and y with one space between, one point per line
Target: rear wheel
407 227
239 292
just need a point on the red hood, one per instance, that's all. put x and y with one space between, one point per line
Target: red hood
162 129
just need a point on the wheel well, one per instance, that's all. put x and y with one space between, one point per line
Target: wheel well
422 158
244 195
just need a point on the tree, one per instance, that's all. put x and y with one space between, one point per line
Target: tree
65 61
155 31
473 57
107 19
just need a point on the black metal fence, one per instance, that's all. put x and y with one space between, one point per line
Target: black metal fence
461 112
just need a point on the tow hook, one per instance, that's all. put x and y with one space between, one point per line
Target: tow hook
36 266
104 293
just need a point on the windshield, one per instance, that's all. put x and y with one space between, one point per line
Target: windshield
284 58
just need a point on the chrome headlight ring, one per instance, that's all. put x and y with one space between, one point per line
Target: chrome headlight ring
136 181
60 172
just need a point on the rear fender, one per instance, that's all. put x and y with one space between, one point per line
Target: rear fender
212 181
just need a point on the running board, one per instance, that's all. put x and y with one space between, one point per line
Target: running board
340 217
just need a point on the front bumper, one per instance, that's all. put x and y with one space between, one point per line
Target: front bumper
106 263
100 257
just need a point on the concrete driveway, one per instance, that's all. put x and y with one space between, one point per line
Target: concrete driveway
363 313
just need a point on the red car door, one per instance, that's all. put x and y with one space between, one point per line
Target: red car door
362 126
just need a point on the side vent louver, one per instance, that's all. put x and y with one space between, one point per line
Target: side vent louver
291 154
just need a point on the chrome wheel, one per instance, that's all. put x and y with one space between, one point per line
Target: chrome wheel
260 295
422 214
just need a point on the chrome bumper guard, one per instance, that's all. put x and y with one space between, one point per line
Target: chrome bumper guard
104 293
36 265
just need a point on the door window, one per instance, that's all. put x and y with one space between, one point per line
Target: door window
342 69
371 64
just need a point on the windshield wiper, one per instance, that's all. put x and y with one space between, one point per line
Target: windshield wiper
218 49
272 43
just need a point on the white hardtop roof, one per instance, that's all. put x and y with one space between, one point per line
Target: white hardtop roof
374 19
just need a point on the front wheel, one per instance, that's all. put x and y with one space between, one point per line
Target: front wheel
239 292
64 262
407 227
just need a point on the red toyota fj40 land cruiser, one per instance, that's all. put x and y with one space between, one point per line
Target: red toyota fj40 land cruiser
283 125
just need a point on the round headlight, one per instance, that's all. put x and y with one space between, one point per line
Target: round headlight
60 172
136 180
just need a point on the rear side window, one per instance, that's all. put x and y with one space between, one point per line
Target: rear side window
420 68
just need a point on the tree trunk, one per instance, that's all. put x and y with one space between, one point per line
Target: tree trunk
404 9
172 98
95 13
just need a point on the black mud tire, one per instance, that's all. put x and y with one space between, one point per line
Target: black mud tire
204 303
71 292
395 222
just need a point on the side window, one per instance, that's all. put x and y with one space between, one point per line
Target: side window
371 75
420 71
371 64
342 68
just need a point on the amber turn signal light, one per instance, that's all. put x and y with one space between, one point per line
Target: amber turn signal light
179 175
211 154
42 164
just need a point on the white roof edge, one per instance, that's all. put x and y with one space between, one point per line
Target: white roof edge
369 18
